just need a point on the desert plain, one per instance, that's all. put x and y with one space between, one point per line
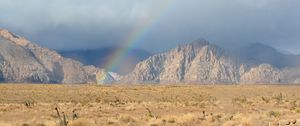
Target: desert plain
149 105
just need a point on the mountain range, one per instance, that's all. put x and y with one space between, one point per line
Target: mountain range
203 63
198 62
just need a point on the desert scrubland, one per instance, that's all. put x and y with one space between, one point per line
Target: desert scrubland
149 105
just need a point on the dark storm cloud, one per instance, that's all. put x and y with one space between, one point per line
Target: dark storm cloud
70 24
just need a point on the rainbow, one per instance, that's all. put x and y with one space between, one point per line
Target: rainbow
133 37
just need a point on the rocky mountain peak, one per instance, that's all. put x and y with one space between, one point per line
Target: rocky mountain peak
200 63
199 43
13 38
24 62
195 45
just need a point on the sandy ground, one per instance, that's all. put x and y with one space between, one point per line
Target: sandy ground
167 105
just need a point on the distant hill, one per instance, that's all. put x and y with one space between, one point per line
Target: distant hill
24 62
98 57
260 53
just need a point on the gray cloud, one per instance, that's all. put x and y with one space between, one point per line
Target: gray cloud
73 24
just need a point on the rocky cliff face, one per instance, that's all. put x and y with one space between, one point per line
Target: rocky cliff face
200 62
24 62
263 74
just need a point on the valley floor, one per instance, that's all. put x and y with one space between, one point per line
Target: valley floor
166 105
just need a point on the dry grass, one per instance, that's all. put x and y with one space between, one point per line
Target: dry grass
90 105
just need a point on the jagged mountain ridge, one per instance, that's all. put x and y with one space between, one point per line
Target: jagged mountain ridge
202 63
24 62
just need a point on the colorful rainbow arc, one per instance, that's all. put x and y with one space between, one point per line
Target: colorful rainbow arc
133 37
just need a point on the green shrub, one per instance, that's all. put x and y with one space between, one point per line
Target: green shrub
273 114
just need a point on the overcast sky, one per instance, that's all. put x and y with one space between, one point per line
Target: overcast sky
78 24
